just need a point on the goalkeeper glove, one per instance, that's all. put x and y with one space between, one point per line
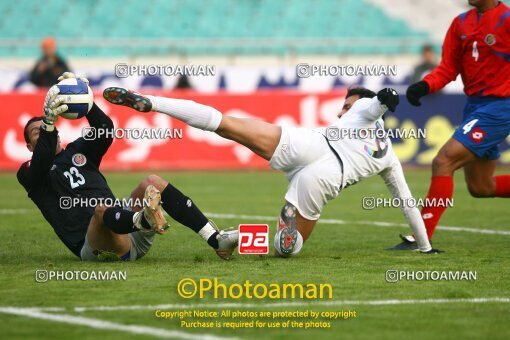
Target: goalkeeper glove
388 97
416 91
52 108
70 75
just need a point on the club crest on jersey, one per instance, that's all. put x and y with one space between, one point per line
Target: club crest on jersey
490 39
79 159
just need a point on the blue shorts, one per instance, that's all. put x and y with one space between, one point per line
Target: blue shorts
485 125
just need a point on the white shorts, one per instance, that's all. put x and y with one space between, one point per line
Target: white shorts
312 169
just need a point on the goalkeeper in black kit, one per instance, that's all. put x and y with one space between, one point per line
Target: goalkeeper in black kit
55 178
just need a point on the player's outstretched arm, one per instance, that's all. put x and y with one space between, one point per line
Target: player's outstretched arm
42 158
445 72
395 181
387 98
46 147
95 147
373 108
101 122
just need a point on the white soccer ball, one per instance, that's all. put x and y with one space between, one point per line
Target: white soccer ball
77 96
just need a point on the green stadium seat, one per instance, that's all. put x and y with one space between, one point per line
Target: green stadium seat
183 19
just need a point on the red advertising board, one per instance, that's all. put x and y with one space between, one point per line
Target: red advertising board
195 150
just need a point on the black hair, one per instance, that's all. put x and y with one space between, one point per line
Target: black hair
25 130
361 92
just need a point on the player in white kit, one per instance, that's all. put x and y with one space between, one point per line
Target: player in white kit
318 163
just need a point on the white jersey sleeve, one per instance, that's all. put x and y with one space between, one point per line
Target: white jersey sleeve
394 178
371 109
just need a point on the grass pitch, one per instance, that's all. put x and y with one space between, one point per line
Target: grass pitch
350 256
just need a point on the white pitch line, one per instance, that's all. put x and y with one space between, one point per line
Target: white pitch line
323 221
337 303
107 325
375 223
15 211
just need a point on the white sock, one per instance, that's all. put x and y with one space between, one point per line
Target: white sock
194 114
207 231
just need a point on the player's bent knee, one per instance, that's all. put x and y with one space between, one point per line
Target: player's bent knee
152 179
442 165
440 161
155 180
480 191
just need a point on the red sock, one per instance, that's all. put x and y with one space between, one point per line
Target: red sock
441 188
502 186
